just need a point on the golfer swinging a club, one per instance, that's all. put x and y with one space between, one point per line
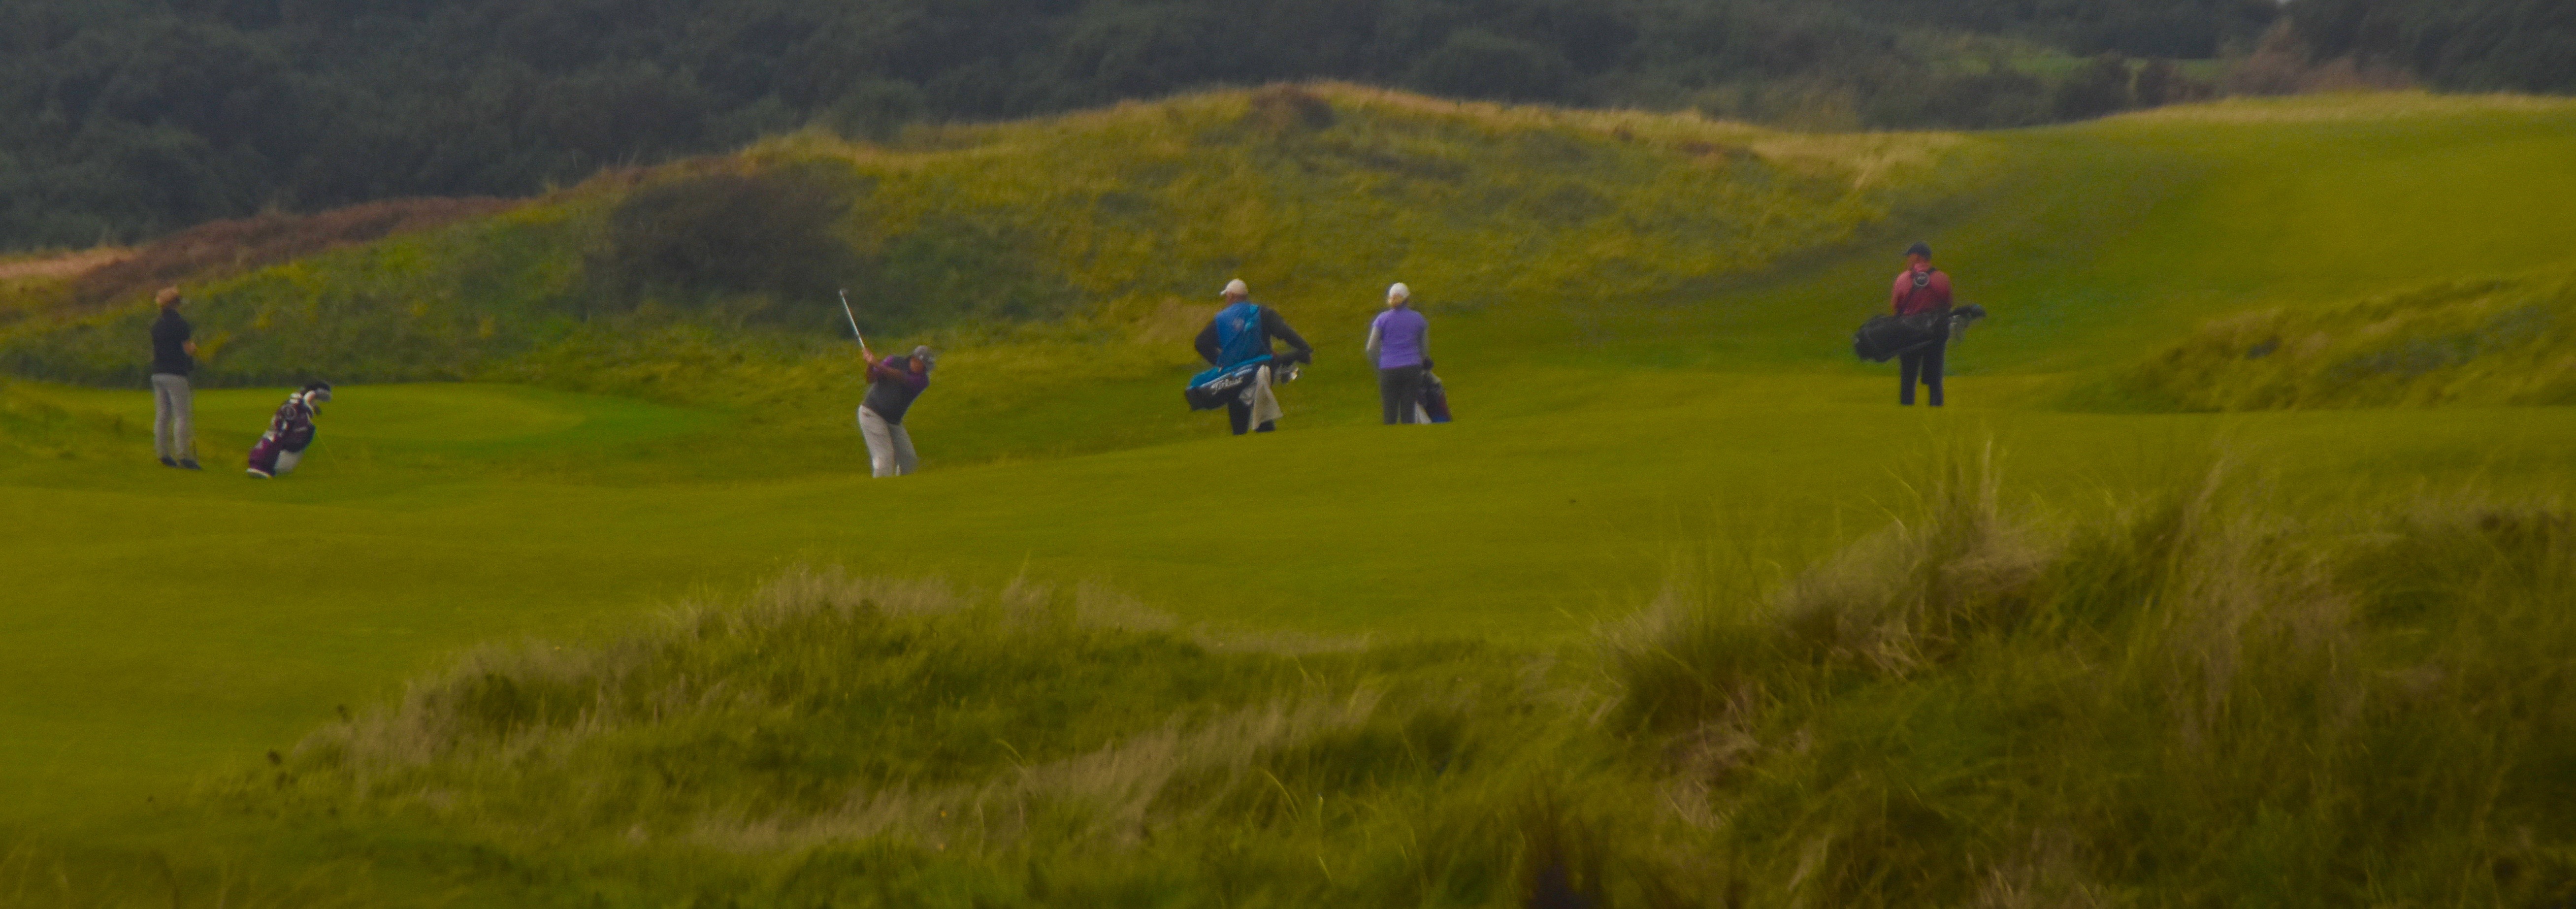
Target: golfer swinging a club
893 383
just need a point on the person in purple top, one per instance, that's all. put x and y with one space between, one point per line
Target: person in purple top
1399 342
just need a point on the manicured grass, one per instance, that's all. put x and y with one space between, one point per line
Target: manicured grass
209 615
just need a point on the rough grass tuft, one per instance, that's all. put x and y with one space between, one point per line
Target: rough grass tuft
834 737
2199 696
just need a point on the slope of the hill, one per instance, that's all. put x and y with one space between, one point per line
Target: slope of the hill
2117 237
1068 261
2470 342
1318 195
1069 256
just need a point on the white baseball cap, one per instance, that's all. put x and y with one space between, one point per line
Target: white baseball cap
1399 290
1237 286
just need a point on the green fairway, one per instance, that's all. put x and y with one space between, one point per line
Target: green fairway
181 620
162 625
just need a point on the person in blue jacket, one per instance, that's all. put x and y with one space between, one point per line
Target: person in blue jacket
1240 333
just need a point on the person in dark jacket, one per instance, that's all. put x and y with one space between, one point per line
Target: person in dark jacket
174 356
893 383
1920 288
1240 332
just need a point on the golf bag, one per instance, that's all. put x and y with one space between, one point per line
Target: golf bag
1239 344
1435 399
1221 385
1885 337
290 431
1963 317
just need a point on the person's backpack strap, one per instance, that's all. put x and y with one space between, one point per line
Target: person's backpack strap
1922 285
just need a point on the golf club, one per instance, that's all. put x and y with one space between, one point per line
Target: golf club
853 317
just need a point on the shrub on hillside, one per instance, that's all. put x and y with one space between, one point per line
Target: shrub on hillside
2470 45
950 269
2098 88
2160 82
776 247
760 242
1996 95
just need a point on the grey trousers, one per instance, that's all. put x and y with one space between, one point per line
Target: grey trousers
889 447
174 421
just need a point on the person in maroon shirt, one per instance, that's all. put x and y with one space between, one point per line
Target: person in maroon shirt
1921 288
893 383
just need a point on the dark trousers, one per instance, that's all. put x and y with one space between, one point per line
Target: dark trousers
1239 415
1399 391
1924 362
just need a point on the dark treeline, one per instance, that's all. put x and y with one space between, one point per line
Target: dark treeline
2468 45
121 119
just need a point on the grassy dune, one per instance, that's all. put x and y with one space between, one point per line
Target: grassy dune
1643 379
2471 342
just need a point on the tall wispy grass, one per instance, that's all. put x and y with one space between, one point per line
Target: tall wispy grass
2196 697
838 738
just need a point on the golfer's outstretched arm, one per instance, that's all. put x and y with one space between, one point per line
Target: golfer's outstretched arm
1372 343
1278 328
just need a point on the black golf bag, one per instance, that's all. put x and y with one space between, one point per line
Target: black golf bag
1885 337
1435 398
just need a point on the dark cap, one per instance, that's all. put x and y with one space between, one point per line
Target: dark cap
1919 249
